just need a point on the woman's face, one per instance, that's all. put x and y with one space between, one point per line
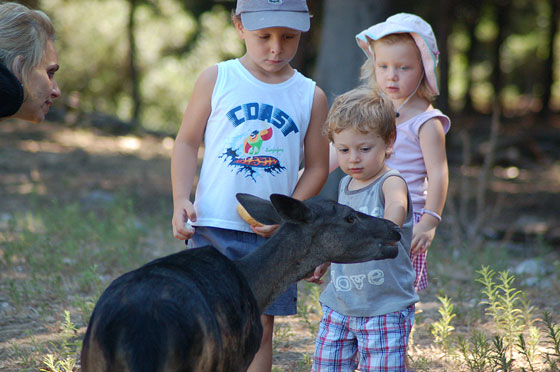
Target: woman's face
41 88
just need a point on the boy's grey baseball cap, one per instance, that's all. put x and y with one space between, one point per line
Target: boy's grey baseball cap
257 14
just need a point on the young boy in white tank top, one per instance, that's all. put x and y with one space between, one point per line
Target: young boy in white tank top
258 119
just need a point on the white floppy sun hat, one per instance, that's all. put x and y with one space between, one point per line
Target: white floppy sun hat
420 31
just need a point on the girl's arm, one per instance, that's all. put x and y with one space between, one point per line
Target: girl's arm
432 143
316 150
184 158
396 200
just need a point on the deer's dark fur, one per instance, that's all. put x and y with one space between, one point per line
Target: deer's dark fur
198 311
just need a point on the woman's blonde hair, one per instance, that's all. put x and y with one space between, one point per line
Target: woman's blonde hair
364 110
24 34
368 68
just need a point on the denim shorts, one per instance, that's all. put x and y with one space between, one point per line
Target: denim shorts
235 245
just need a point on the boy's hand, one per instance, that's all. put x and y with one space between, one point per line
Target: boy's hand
318 273
266 231
182 229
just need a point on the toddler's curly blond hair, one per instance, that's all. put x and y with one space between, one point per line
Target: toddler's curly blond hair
364 110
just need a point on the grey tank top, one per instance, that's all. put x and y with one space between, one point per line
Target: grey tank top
375 287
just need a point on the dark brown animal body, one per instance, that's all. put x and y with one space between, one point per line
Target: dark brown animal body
197 311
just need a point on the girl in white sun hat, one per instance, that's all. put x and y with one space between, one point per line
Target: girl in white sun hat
402 57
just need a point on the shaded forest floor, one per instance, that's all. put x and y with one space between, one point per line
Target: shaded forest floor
42 164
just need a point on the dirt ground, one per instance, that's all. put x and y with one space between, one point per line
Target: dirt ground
70 164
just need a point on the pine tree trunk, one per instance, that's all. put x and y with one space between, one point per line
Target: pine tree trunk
340 58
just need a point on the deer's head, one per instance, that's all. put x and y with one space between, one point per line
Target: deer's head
337 232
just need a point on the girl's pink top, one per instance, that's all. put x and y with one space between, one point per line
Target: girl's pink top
407 155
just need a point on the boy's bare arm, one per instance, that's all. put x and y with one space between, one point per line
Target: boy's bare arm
315 173
316 150
316 167
184 158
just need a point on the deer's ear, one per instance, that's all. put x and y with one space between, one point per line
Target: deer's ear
290 209
260 209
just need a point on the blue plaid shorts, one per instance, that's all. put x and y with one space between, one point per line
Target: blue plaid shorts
377 343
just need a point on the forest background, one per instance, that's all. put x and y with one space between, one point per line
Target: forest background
137 60
130 66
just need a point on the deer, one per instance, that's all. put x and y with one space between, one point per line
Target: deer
198 311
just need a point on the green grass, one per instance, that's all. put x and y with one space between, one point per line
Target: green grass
486 320
55 261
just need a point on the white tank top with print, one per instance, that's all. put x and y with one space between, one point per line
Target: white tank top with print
253 142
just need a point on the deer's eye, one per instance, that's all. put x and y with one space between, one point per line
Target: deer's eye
350 218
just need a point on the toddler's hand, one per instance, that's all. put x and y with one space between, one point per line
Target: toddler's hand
318 273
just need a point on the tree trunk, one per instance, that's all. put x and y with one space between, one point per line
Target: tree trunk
133 66
339 59
548 77
501 9
471 52
444 11
306 56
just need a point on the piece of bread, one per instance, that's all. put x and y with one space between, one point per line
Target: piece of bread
247 217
